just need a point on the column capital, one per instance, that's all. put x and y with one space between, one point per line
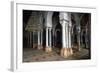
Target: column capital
50 28
64 16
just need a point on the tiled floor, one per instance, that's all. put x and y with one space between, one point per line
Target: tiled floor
33 55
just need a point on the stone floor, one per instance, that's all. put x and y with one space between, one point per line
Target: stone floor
34 55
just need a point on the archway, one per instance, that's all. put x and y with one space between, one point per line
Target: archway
58 36
57 31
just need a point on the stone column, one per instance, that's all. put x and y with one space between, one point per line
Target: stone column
72 34
69 35
81 41
50 37
48 48
46 37
69 30
79 38
28 37
64 21
53 38
86 37
33 39
63 35
77 20
30 40
39 40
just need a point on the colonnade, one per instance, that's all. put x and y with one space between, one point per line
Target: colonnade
65 21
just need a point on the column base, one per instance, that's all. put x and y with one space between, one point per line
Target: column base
34 46
48 49
66 52
40 47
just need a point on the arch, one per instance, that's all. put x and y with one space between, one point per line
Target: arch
58 36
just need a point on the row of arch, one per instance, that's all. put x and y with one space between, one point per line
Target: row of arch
60 30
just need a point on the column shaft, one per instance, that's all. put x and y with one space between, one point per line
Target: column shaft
48 47
50 37
63 35
66 36
38 39
33 39
30 40
46 37
41 38
69 31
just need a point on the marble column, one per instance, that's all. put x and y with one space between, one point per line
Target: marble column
39 40
69 35
79 38
30 40
46 37
72 34
48 48
86 37
53 38
50 37
33 39
64 21
69 30
63 35
28 37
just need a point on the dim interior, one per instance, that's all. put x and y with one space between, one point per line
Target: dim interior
56 36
